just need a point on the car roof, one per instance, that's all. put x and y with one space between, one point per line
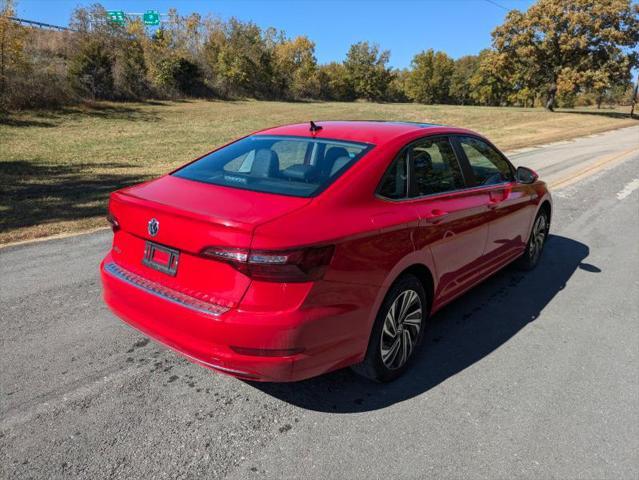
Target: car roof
367 131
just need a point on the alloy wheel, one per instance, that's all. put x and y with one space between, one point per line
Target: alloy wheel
401 329
538 237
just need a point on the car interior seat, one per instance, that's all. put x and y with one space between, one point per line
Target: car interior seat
334 159
266 164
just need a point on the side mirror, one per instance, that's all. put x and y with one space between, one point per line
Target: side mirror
526 175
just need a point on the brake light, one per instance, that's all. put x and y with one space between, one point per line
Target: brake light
303 265
115 225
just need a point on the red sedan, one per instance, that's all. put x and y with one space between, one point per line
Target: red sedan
302 249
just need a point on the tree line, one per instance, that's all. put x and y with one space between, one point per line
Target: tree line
558 52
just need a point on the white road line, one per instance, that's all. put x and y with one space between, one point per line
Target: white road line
628 189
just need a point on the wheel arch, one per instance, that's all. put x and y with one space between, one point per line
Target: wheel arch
546 207
425 276
415 264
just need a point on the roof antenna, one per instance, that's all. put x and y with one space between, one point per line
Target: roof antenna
315 128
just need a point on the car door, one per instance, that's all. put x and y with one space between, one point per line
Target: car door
453 220
509 201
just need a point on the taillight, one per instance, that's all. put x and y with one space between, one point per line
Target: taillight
115 225
303 265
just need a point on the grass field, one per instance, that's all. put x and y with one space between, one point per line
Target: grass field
58 167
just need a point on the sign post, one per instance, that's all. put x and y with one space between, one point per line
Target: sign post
635 95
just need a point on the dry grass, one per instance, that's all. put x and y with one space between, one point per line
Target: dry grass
58 167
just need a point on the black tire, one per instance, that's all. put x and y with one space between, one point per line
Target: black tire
379 366
536 241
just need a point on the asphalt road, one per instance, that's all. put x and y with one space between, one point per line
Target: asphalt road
528 376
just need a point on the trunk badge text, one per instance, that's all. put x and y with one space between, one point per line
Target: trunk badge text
153 227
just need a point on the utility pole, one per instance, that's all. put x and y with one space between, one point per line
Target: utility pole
635 92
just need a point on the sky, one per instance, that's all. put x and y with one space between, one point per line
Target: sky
405 27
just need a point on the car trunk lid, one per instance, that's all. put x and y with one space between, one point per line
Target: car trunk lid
190 216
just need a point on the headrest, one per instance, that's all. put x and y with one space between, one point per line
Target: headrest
338 164
265 164
303 173
422 159
332 154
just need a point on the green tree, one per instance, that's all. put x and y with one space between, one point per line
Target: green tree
91 70
367 71
130 71
102 54
397 88
460 88
179 75
12 46
429 79
295 66
157 50
488 85
185 34
92 23
240 59
335 83
562 46
619 94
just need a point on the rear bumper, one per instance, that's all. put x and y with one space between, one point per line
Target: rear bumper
326 337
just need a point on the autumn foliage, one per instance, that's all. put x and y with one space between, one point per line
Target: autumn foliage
559 52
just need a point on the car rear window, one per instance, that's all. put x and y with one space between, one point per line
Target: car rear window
297 166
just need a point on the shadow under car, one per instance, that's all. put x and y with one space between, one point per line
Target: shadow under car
459 335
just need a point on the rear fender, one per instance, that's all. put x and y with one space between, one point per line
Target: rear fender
418 257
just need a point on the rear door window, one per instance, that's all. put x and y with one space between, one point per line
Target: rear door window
435 167
394 184
297 166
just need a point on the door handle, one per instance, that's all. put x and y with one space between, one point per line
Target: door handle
495 198
435 216
493 203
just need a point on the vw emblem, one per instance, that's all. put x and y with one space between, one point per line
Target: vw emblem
153 227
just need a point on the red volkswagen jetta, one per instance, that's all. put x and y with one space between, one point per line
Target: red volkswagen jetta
302 249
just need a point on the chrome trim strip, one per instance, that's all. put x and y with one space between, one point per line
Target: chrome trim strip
451 193
466 189
163 292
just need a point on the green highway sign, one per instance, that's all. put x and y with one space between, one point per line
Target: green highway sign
117 16
151 17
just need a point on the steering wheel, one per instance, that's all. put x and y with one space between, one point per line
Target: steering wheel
494 178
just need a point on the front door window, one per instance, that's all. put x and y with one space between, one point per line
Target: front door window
488 166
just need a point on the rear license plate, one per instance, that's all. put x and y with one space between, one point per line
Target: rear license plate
161 258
